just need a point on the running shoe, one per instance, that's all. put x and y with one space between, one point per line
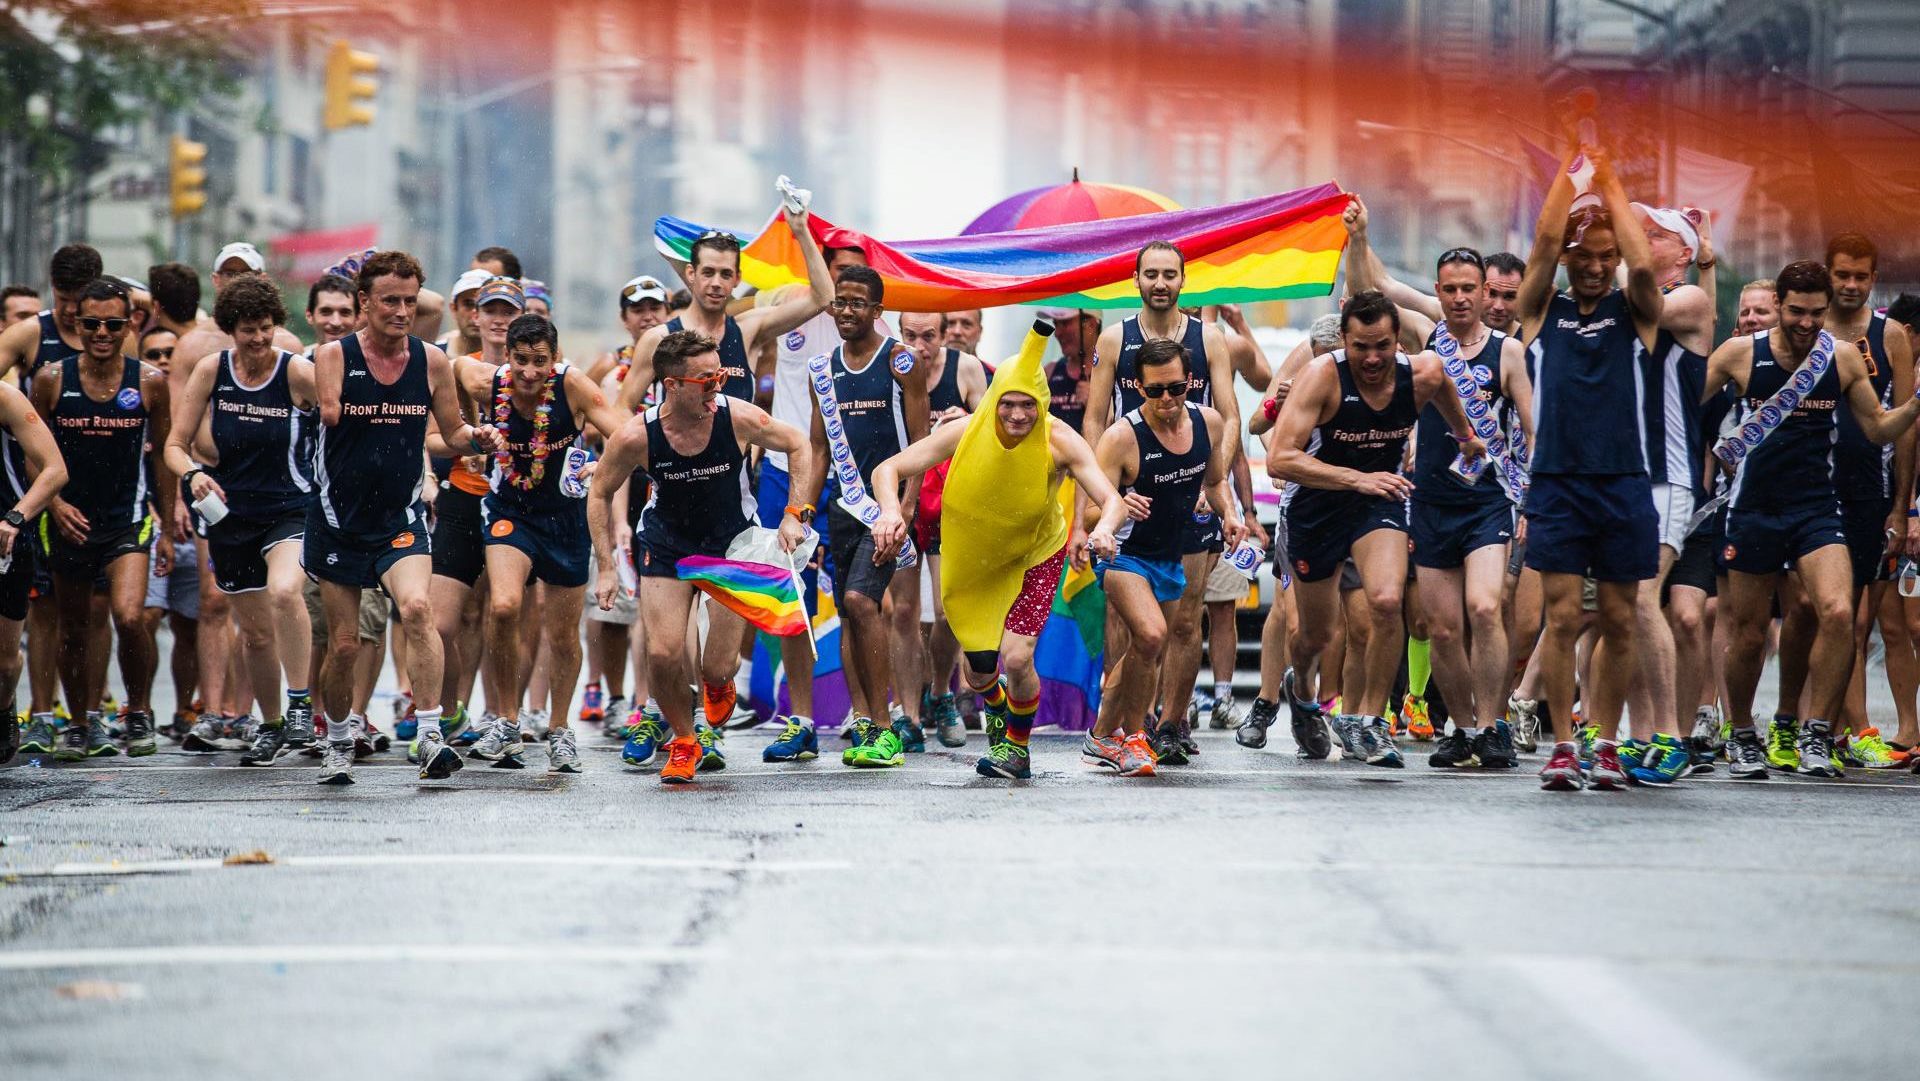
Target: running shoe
1814 750
856 729
1167 747
1664 761
140 741
1630 751
363 741
236 733
100 743
177 729
645 736
541 721
407 728
204 736
563 756
1783 739
913 738
1136 756
268 740
296 729
1418 723
1707 728
879 750
499 743
1843 754
470 730
1746 755
437 760
1009 759
1183 730
683 760
73 743
38 737
336 762
614 724
1378 742
378 741
402 704
593 706
1252 733
948 726
995 725
1872 751
1310 737
1605 773
1226 714
1584 737
1493 746
1105 753
797 742
1352 731
1455 751
709 737
1524 715
1562 771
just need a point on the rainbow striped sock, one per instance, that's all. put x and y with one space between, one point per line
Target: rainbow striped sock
995 696
1020 717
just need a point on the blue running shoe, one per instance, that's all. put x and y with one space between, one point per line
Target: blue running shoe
645 737
709 739
797 742
1664 761
913 738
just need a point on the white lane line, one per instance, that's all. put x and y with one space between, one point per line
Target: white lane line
1586 990
1592 994
490 859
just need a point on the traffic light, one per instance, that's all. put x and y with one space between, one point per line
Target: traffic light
350 86
188 176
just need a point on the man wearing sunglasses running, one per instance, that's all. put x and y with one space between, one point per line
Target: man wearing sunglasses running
109 418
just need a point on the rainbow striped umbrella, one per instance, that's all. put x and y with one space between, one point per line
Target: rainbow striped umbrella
1064 204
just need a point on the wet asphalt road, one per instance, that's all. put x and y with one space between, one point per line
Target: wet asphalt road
1249 916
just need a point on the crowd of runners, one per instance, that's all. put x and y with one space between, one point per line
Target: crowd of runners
1546 507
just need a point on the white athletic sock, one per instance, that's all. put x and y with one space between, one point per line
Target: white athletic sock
429 720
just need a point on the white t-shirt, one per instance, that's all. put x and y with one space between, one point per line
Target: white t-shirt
792 392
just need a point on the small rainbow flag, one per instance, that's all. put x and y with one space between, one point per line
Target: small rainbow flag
1271 248
763 595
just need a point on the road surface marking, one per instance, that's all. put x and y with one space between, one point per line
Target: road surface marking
499 859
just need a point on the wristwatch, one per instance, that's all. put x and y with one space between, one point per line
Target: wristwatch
14 518
803 513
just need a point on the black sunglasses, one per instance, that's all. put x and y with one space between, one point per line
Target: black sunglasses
158 354
1461 255
1155 390
91 323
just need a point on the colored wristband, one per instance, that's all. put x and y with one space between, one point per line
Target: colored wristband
1271 407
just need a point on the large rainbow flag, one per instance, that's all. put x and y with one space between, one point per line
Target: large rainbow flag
1271 248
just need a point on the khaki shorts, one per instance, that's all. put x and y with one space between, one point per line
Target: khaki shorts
1226 584
374 612
626 608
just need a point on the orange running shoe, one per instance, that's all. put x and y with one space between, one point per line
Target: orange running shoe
1418 725
1136 756
718 699
683 758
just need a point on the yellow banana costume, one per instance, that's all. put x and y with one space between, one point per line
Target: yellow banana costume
1000 513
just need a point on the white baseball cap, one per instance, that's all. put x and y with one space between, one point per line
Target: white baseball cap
470 281
644 287
242 251
1673 221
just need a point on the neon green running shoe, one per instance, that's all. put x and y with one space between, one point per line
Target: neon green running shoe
1584 737
860 728
709 739
1872 751
879 749
1783 737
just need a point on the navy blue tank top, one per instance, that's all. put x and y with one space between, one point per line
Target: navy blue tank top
1173 481
562 433
699 499
1067 392
1126 372
945 391
870 407
13 460
1587 390
1363 438
1862 469
105 446
734 362
258 432
1433 447
369 464
1793 467
1673 378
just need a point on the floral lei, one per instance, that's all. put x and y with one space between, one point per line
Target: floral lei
536 451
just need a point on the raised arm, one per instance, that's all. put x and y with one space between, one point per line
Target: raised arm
1365 271
1543 259
764 325
1643 285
